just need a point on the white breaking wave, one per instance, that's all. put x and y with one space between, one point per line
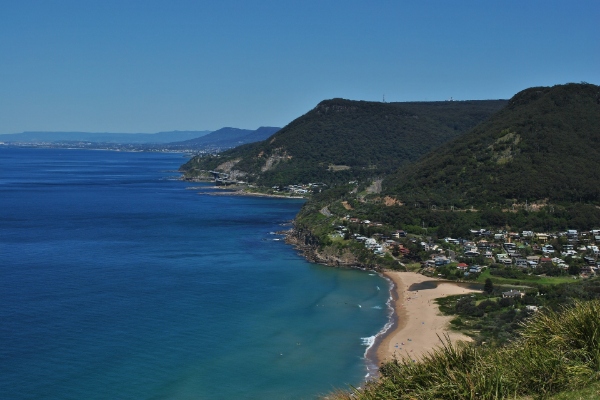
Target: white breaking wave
368 341
372 369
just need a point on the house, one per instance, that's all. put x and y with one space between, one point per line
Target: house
462 266
511 294
521 262
514 235
370 243
483 245
441 261
503 259
475 269
542 237
510 247
589 260
546 260
548 249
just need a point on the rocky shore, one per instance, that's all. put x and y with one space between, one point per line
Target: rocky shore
308 245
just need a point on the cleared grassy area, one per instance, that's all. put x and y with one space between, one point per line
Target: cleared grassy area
413 267
478 302
529 279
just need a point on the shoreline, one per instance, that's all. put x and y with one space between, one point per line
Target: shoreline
415 320
225 191
415 324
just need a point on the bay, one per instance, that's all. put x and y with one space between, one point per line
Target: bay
118 281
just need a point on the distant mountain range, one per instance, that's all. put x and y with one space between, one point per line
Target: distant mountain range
223 138
49 137
230 137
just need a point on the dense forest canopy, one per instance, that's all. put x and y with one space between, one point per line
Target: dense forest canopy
543 146
342 140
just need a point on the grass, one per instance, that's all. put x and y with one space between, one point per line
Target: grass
478 302
591 392
557 352
541 280
413 267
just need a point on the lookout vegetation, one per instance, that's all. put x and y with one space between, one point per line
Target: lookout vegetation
555 352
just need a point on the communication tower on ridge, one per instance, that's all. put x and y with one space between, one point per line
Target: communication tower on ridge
384 98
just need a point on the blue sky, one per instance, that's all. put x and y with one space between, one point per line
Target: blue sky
149 66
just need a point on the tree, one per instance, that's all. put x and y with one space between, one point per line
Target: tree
574 269
489 286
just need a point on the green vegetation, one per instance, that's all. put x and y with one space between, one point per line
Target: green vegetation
591 392
532 166
515 276
544 147
555 352
367 138
492 319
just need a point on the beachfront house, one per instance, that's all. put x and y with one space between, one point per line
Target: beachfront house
511 294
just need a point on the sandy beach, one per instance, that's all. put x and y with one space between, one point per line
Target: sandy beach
418 319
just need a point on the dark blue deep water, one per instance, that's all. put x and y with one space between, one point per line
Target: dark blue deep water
117 281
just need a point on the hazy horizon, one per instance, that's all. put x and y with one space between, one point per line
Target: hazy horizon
156 66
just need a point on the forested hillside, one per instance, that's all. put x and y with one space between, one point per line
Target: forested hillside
342 140
544 146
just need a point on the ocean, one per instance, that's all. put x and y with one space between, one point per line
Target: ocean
119 281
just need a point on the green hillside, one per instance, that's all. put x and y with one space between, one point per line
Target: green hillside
544 146
342 140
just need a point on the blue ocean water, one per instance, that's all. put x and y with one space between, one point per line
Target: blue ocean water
119 282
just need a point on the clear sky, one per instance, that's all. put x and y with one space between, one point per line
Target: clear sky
157 65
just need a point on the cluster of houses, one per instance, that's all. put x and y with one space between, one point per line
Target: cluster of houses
301 188
378 243
511 249
523 250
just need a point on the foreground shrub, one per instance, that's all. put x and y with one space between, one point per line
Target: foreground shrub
556 351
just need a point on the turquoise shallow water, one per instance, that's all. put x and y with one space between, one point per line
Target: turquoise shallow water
117 282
